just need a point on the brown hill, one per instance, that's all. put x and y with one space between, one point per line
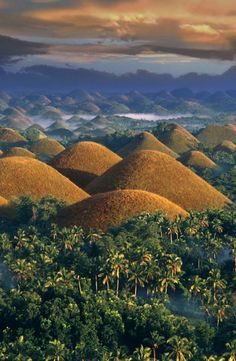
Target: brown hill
158 173
18 152
113 208
213 135
23 175
145 141
197 159
226 146
3 202
47 147
84 161
8 135
231 126
177 138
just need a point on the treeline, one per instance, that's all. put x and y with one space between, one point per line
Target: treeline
150 289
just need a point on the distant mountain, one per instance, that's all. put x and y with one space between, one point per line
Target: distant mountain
60 80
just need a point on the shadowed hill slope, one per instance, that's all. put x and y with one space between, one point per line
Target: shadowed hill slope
113 208
84 161
145 141
197 159
226 146
23 175
8 135
158 173
213 135
177 138
47 147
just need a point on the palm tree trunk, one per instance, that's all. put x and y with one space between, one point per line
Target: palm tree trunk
117 282
154 353
135 288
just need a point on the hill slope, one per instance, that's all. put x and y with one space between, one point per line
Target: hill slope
84 161
145 141
226 146
8 135
177 138
158 173
112 208
197 159
213 135
18 152
23 175
47 148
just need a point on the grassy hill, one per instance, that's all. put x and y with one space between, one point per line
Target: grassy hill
197 159
177 138
113 208
18 152
145 141
84 161
226 146
213 135
8 135
47 148
158 173
23 175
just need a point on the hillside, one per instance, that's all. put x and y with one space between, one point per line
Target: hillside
226 146
47 147
18 152
197 159
3 202
23 175
145 141
158 173
8 135
177 138
84 161
113 208
213 135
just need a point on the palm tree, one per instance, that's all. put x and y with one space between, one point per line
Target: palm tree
142 353
118 266
216 282
179 349
174 263
197 286
156 341
231 351
168 281
136 275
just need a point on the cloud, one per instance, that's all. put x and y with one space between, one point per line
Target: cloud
12 49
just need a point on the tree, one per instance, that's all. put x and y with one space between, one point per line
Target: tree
179 349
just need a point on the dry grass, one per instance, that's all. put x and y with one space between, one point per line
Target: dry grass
227 146
158 173
178 139
47 147
8 135
197 159
3 202
231 126
18 152
113 208
145 141
84 161
213 135
23 175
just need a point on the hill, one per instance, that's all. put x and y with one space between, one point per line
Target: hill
47 147
177 138
197 159
213 135
84 161
8 135
226 146
3 202
18 152
158 173
145 141
113 208
23 175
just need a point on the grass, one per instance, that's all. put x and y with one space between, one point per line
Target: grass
158 173
178 139
214 135
197 159
84 161
226 146
113 208
18 152
8 135
23 175
145 141
47 147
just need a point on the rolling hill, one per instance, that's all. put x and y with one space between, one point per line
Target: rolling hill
23 175
177 138
197 159
113 208
145 141
8 135
158 173
47 148
18 152
84 161
213 135
226 146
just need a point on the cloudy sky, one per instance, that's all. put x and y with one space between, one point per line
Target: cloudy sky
175 36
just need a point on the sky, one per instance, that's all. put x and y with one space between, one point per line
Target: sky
174 36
